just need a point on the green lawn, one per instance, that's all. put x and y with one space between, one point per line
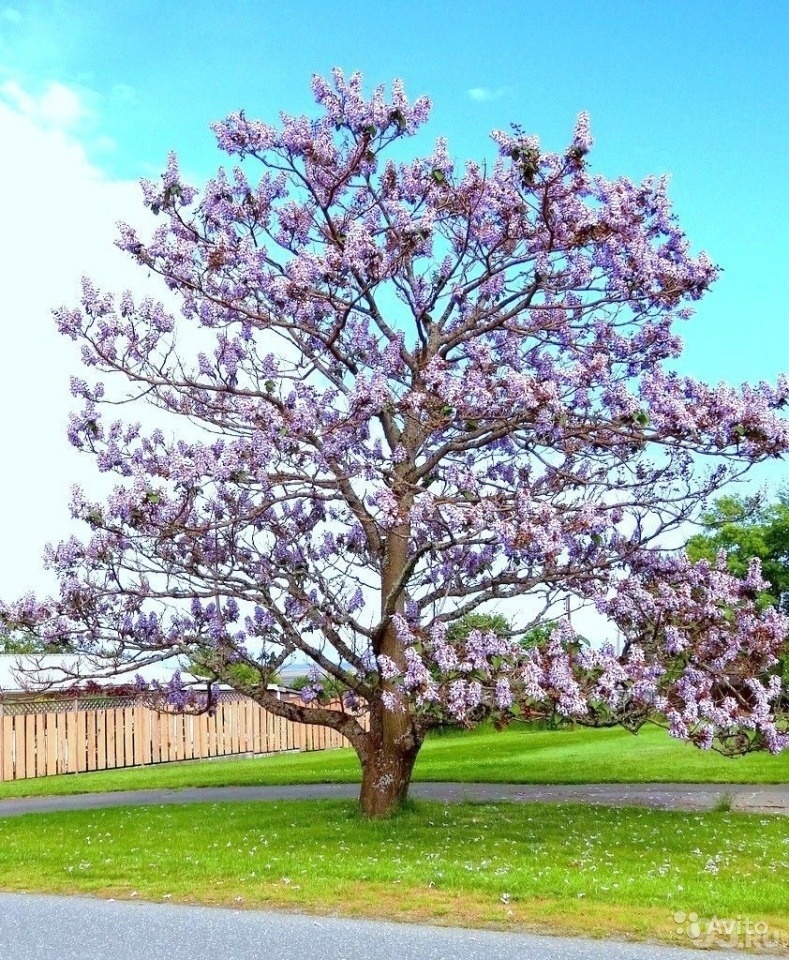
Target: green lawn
516 755
591 870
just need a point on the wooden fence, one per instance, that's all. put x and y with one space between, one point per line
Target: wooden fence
76 740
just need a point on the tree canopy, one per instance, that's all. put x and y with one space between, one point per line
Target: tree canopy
19 644
396 393
746 528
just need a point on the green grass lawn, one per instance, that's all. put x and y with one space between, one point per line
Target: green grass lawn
592 870
516 755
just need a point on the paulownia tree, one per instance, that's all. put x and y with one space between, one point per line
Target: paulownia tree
410 391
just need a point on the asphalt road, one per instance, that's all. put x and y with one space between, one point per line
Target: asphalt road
746 798
34 927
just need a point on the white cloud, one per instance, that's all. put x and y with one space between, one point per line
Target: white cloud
483 94
57 107
59 215
10 14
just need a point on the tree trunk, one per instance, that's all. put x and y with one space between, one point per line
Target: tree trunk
390 750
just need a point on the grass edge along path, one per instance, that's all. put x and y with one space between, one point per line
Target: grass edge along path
516 755
594 871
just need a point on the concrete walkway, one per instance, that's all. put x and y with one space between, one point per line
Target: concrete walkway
743 798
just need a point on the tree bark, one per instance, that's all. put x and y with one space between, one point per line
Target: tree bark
388 757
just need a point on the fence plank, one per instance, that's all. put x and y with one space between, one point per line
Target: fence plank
189 731
215 738
120 737
141 737
179 736
282 734
223 741
109 738
91 720
63 743
119 759
156 736
209 726
53 743
33 768
219 727
234 727
242 726
188 726
201 735
213 722
164 737
255 728
231 733
176 737
70 741
276 739
265 744
7 749
101 740
81 757
246 726
40 745
128 736
28 755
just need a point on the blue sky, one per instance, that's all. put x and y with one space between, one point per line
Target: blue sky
699 90
93 95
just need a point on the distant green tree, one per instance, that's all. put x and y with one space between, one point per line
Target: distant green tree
538 635
746 528
244 673
484 622
534 637
330 686
20 643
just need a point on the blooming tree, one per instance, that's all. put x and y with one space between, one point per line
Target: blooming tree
411 390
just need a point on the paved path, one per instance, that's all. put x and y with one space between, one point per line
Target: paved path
71 928
747 798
